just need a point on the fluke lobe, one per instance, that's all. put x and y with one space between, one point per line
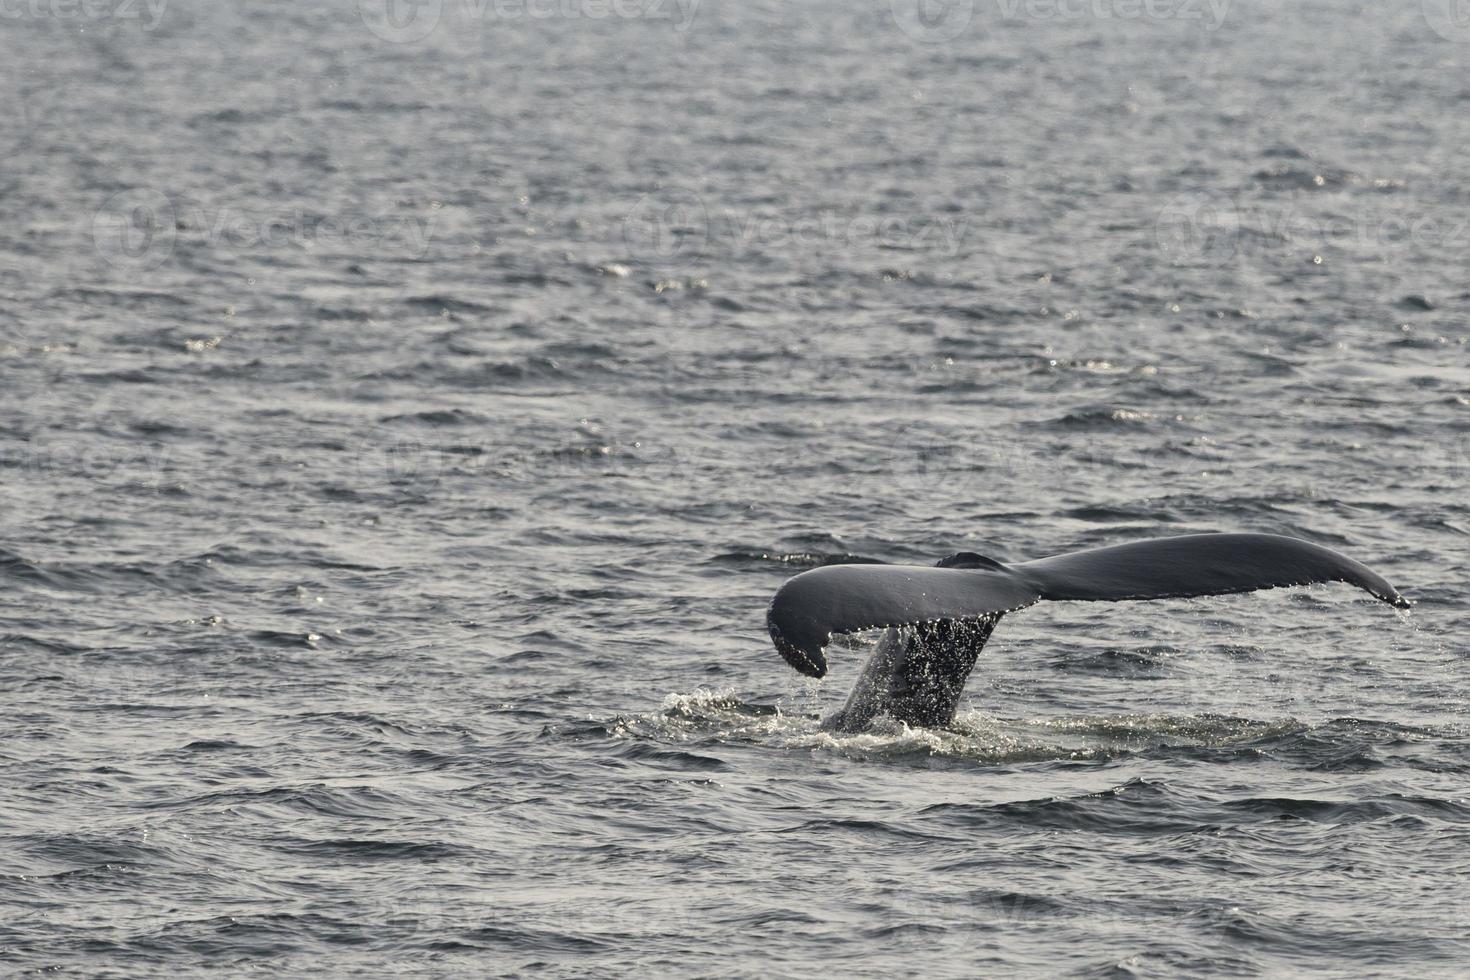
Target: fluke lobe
939 618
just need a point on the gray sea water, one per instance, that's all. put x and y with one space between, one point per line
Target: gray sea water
407 411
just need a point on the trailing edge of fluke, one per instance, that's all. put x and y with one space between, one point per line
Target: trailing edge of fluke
811 608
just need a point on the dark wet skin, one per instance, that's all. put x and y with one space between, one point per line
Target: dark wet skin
939 618
916 675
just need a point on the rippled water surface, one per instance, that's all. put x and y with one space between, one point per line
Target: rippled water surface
406 415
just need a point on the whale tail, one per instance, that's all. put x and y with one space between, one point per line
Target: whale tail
937 615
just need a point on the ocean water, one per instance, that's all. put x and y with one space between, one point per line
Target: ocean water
407 411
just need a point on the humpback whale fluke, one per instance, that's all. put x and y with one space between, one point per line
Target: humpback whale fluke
939 618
